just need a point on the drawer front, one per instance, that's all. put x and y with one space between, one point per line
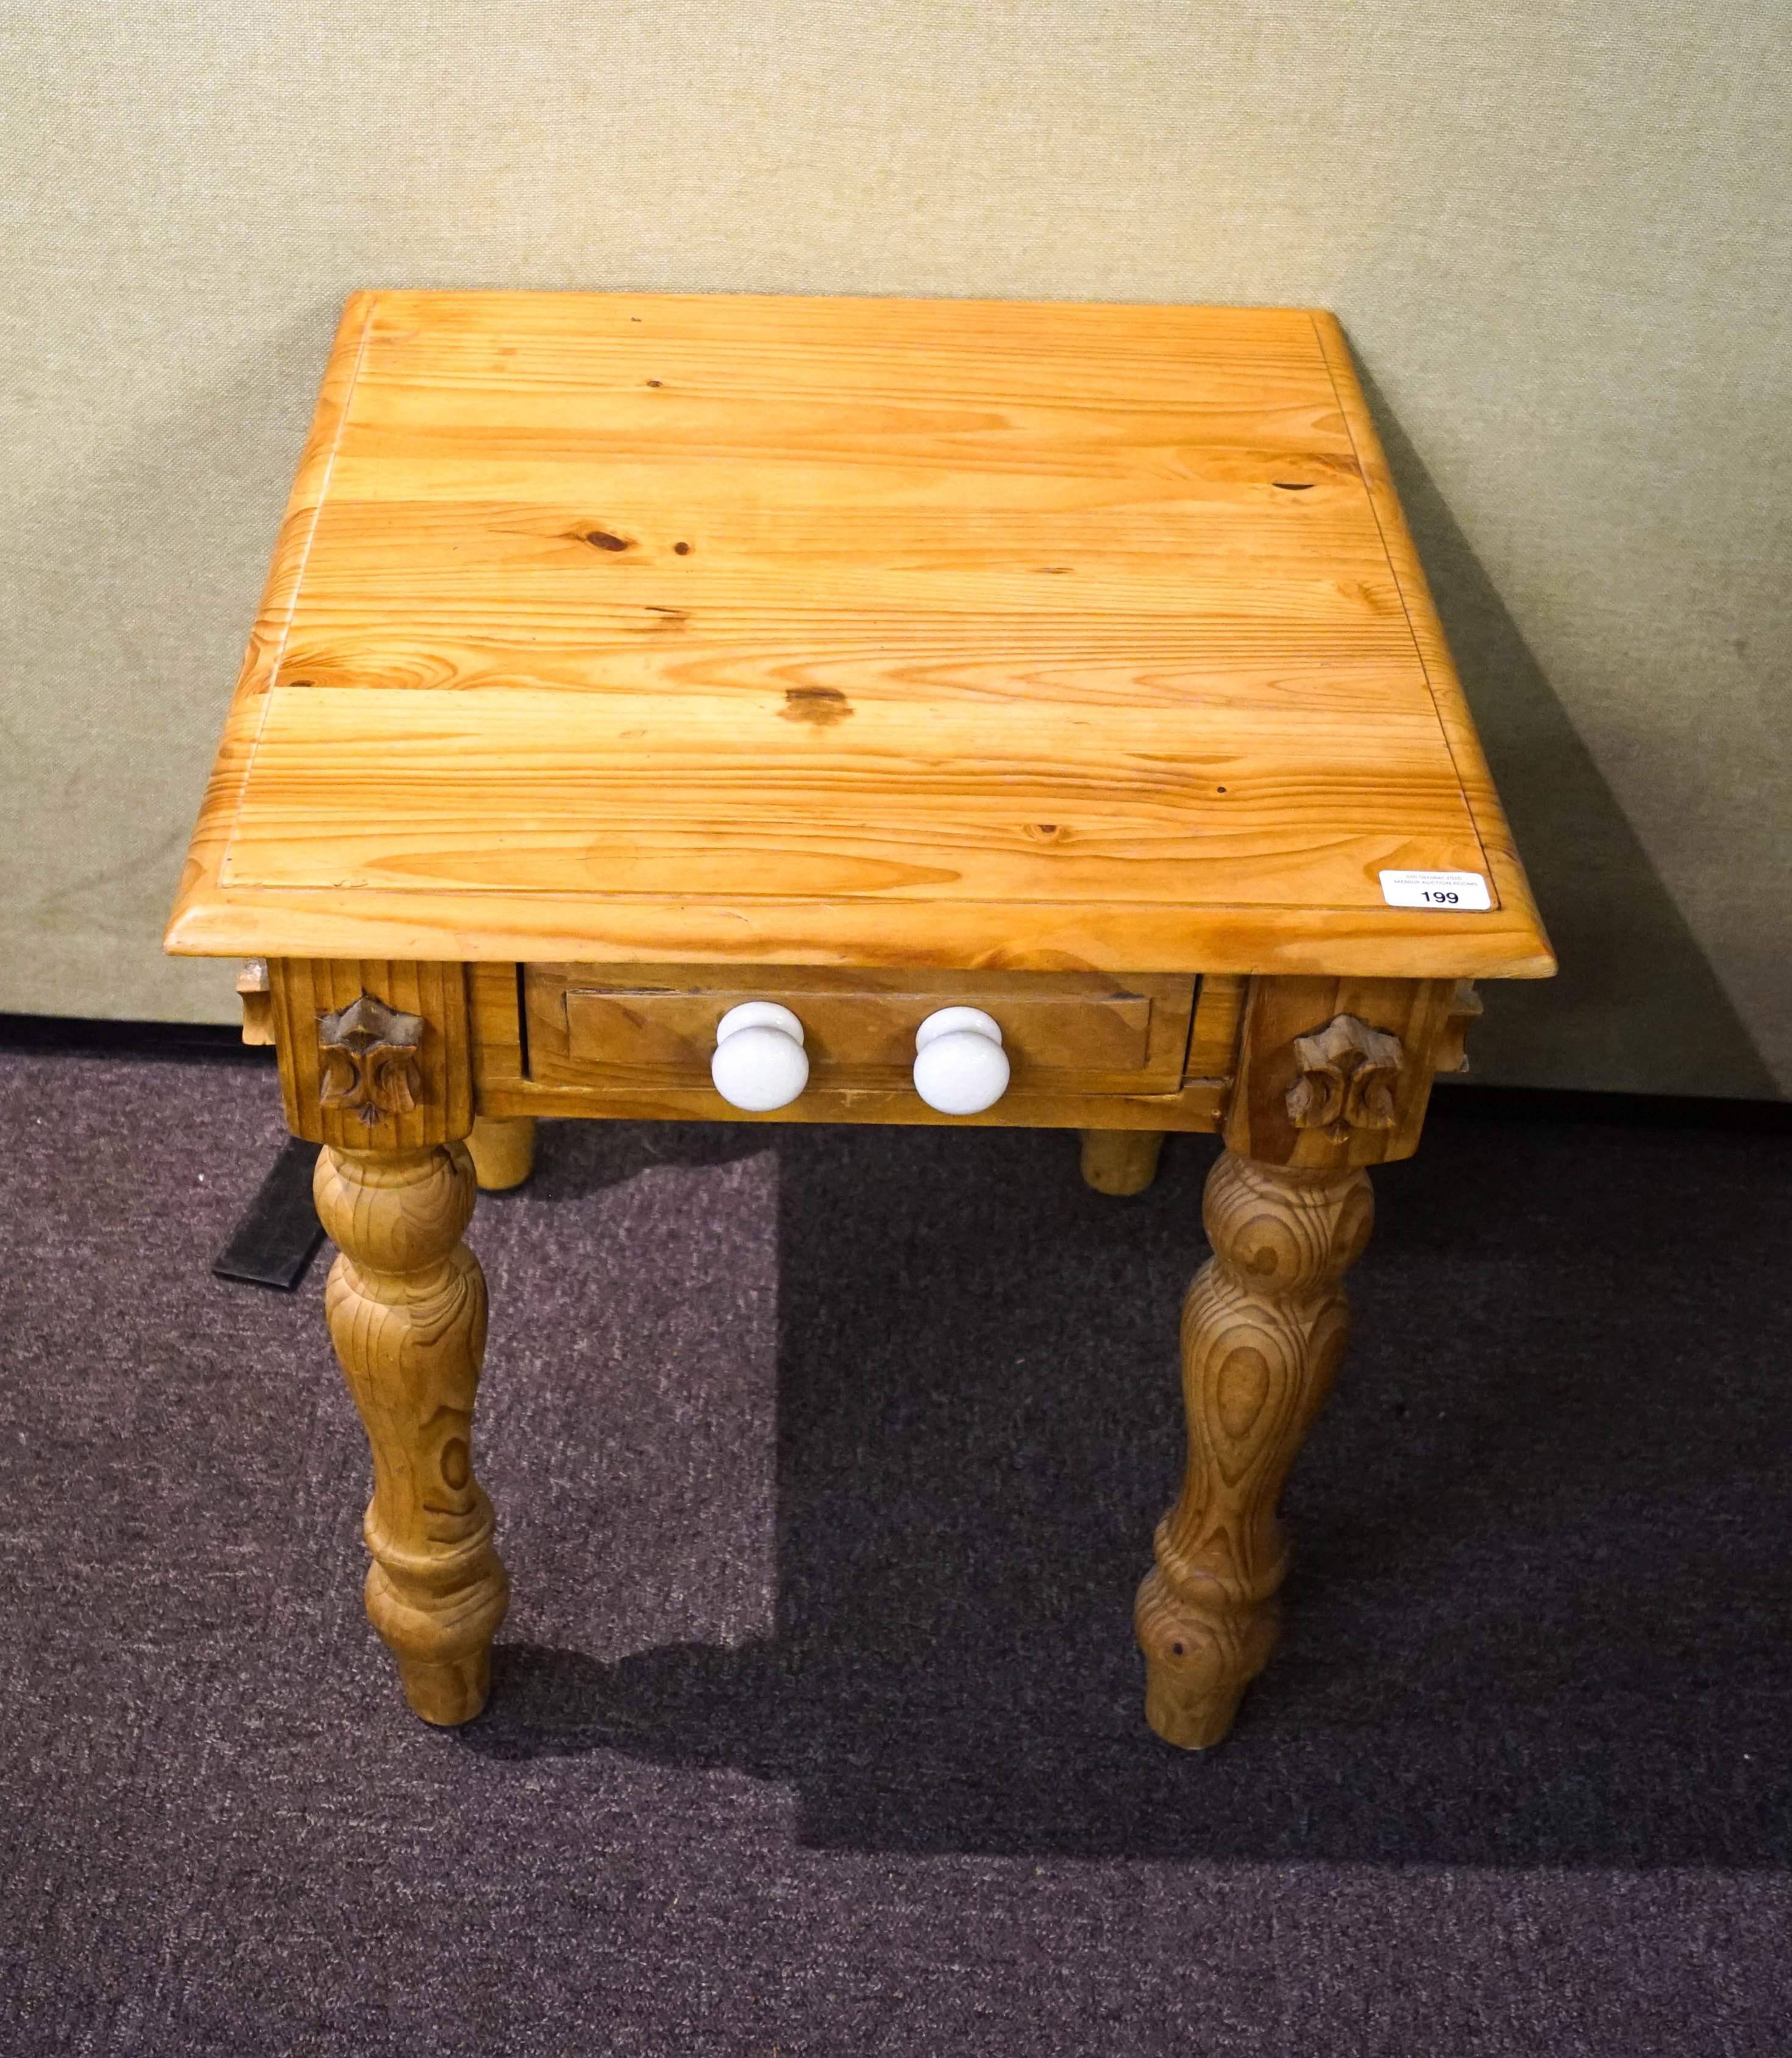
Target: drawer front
654 1026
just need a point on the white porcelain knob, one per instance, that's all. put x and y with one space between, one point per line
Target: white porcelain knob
960 1068
758 1063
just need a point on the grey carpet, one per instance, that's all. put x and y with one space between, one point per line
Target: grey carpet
826 1461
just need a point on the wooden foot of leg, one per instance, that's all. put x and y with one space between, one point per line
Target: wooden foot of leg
407 1309
1121 1161
1263 1330
503 1151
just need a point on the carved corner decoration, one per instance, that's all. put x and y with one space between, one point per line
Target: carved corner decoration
1464 1008
370 1053
1348 1073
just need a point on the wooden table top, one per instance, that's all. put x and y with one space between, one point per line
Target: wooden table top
836 631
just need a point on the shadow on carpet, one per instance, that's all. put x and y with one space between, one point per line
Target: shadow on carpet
1538 1615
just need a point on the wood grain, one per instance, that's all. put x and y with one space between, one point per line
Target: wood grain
813 632
406 1303
1219 1009
681 795
1264 1328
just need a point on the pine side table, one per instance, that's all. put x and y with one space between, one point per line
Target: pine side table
851 711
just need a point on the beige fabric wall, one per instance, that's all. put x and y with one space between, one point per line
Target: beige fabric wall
1557 237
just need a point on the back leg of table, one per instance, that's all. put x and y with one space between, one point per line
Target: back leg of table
503 1151
1121 1161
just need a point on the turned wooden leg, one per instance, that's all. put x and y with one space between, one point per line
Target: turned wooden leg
1121 1161
407 1308
1263 1329
503 1151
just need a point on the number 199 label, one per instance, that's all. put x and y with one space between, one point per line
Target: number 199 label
1434 889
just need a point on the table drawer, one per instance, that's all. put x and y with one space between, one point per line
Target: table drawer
654 1025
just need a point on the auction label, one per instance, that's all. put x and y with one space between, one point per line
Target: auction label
1434 889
